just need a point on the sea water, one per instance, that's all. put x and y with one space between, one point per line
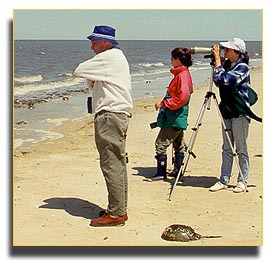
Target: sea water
45 92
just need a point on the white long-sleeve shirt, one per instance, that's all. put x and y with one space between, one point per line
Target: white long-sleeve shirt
112 82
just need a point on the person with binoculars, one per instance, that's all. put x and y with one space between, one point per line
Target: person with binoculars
173 113
232 76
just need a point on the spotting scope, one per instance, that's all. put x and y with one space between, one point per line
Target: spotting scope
200 50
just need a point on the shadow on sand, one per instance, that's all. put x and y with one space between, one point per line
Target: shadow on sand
73 206
193 181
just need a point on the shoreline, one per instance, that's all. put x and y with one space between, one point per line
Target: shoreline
29 129
39 123
58 186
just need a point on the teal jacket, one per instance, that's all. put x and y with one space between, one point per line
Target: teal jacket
175 109
174 118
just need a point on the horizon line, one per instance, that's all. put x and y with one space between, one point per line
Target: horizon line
50 39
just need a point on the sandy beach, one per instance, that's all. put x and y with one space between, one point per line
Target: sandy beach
58 186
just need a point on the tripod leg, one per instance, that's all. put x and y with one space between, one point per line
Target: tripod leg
235 154
189 148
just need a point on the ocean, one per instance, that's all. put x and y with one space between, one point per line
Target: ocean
45 92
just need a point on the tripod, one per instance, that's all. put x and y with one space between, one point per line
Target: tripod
189 147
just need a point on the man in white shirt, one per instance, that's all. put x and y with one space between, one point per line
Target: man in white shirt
108 75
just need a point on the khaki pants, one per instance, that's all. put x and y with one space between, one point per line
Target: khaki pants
110 137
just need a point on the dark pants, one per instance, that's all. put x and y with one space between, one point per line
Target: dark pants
168 136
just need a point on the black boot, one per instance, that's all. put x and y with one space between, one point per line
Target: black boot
179 157
161 167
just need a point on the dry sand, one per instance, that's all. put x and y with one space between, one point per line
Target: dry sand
58 186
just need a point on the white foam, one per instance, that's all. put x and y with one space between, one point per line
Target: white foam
49 135
25 79
21 90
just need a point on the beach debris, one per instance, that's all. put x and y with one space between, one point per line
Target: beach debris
182 233
31 107
21 123
21 103
43 100
25 152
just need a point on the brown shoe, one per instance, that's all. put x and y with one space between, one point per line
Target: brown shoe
104 212
107 220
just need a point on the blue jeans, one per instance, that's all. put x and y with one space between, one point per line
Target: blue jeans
238 133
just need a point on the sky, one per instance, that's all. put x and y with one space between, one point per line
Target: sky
142 24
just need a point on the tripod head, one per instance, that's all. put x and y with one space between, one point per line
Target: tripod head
212 59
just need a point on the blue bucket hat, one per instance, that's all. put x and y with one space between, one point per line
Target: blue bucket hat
103 33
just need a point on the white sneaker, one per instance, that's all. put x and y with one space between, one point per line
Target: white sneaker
217 187
241 187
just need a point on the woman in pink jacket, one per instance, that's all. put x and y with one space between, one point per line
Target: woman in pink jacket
173 113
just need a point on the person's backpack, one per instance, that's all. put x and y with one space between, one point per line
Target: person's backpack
253 96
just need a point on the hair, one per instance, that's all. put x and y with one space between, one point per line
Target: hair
243 56
184 55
